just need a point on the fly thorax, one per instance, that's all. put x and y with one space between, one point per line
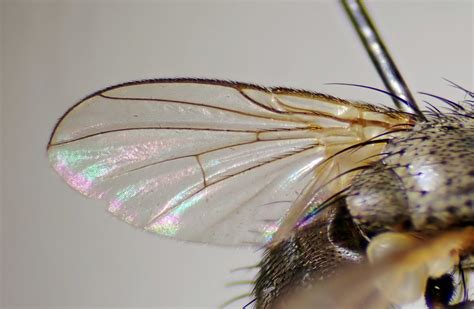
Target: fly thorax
424 182
377 201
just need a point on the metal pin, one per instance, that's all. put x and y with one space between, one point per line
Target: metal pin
379 55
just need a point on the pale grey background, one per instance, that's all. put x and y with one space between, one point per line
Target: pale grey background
60 249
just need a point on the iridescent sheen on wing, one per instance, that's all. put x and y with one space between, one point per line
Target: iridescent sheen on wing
211 161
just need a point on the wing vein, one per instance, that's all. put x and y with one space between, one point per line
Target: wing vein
167 211
179 129
211 106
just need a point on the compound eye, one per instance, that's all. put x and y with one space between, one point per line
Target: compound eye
439 291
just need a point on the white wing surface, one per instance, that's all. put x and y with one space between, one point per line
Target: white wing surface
212 161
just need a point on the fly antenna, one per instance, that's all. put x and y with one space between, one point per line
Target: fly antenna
380 56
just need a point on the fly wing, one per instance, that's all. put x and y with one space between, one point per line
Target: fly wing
206 160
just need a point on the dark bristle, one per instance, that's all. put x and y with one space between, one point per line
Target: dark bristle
433 108
454 105
249 303
453 84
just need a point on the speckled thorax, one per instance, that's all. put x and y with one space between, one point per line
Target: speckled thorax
424 183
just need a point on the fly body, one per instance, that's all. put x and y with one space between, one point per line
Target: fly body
422 184
315 253
425 182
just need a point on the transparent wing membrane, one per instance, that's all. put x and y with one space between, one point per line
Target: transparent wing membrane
213 161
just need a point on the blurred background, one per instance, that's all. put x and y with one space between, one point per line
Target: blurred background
59 249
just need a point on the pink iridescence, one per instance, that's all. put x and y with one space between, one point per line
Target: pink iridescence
167 225
76 180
